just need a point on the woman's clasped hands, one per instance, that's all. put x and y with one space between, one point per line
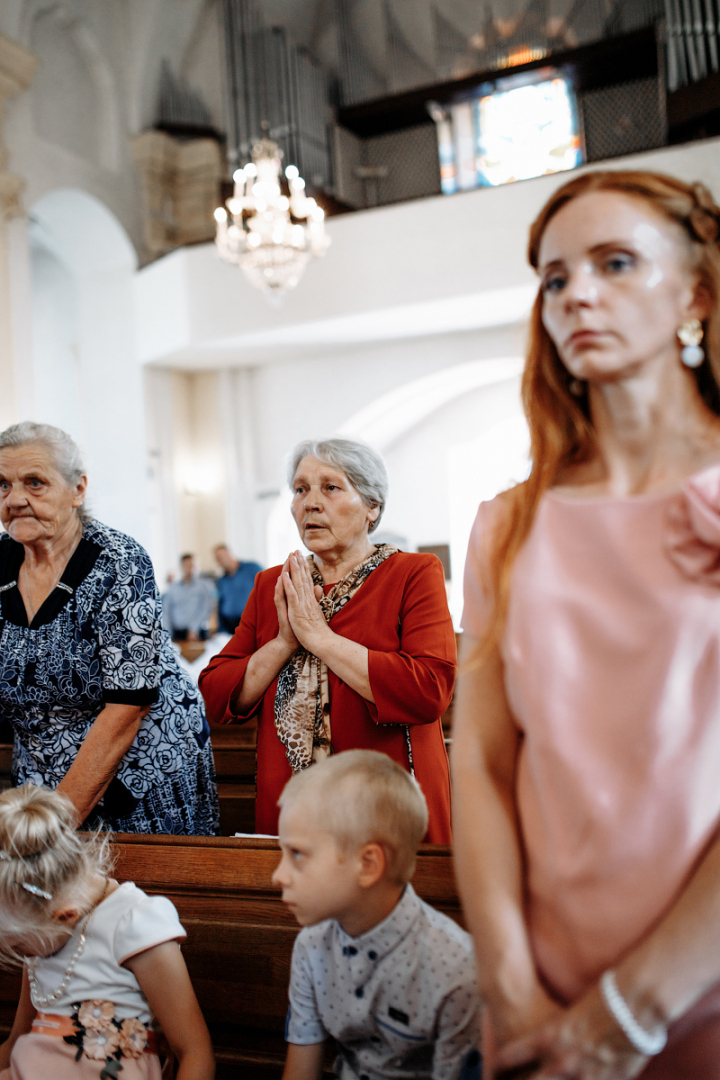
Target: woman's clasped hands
580 1043
297 600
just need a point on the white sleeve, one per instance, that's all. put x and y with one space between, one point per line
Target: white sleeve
152 921
303 1025
458 1034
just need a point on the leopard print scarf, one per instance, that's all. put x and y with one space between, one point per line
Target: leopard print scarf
302 701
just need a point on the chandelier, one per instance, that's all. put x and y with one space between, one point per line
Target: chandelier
269 235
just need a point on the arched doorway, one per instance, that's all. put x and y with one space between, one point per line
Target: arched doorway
86 378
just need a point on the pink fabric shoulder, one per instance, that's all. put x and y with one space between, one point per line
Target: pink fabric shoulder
693 527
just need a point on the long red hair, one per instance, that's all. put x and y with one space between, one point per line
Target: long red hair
561 431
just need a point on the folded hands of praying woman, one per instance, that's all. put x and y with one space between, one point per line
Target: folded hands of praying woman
580 1043
301 602
286 633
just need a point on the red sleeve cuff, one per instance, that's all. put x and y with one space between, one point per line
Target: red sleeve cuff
408 690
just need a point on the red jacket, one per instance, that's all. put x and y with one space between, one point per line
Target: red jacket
400 614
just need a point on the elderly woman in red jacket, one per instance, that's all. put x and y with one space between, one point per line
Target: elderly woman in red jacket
349 648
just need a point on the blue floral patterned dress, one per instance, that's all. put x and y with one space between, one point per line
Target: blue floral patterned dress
98 640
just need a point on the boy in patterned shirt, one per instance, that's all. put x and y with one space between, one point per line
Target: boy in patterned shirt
376 968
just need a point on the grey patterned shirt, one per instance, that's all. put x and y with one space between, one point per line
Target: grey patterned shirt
401 1000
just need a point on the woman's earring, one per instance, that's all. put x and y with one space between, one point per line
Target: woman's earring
576 388
691 334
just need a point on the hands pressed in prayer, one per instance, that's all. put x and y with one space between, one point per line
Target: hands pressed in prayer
297 599
580 1043
302 603
285 631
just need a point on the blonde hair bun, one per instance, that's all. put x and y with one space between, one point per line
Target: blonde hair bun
33 819
44 862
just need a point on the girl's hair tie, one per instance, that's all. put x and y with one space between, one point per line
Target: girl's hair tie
36 891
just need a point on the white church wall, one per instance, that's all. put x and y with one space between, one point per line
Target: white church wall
312 397
438 470
97 85
477 470
347 338
199 466
317 397
57 385
433 266
419 506
86 378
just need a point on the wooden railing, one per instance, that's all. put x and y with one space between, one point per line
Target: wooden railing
240 936
234 749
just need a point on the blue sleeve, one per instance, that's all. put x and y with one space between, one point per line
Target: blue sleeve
130 632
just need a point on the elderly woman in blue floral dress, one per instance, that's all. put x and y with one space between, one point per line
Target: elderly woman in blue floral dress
99 705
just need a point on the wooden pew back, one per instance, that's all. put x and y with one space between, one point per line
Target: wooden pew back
240 935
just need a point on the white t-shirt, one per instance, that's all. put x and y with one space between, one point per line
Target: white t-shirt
126 923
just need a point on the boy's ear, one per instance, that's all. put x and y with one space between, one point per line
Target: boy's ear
373 864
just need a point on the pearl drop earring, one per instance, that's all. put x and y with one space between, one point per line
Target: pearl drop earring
690 333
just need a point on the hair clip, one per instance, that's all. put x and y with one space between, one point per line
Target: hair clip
37 892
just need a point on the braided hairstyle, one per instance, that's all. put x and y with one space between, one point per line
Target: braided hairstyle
44 863
561 431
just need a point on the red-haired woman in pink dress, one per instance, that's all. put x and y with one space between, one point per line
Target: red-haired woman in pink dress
587 736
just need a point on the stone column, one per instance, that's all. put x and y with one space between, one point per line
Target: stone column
17 67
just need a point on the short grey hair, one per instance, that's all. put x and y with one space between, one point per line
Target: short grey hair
64 451
363 466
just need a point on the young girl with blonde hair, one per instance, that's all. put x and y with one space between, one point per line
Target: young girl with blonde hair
101 961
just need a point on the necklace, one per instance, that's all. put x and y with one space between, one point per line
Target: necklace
41 1000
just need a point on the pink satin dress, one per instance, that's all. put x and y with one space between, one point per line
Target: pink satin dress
612 672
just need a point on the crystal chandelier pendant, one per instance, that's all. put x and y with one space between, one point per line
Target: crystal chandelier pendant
271 236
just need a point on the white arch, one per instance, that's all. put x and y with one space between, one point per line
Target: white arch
391 415
80 231
87 376
477 470
387 419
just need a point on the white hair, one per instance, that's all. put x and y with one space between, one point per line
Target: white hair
363 466
64 451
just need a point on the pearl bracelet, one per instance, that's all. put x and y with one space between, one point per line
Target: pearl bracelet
648 1043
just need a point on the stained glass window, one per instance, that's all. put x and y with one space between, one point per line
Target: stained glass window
513 129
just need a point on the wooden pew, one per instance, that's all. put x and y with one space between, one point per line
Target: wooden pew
240 936
234 748
234 753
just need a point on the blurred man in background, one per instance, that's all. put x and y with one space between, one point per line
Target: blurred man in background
233 587
188 603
